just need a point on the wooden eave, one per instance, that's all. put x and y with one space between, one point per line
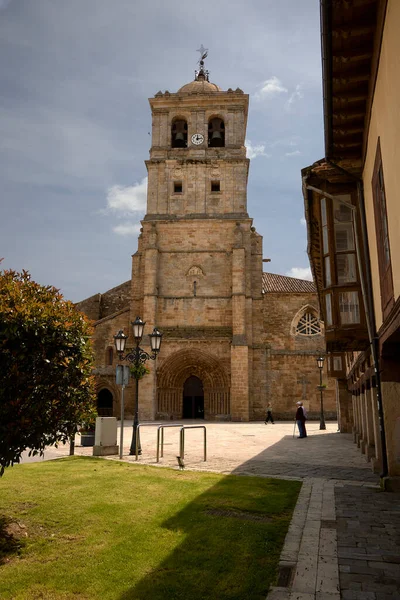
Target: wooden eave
351 32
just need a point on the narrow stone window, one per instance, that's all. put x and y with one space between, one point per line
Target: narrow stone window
215 186
194 288
110 356
178 187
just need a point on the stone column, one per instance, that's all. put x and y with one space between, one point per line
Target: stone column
345 400
363 439
358 435
377 458
239 348
355 416
370 440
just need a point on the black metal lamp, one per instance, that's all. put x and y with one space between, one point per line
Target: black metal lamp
120 341
155 340
320 363
138 328
137 356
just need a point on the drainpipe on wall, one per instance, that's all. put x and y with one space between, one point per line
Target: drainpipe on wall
366 290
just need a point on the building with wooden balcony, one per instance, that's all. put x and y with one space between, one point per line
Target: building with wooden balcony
353 219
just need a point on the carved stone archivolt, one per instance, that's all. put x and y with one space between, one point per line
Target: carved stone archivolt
181 365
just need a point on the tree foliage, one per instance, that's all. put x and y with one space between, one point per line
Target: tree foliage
46 386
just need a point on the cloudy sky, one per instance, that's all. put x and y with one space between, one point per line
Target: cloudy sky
75 78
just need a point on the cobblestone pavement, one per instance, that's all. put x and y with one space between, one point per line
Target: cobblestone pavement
368 540
343 540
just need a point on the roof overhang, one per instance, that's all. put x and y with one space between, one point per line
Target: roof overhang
351 34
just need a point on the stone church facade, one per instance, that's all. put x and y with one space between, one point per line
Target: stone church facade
234 338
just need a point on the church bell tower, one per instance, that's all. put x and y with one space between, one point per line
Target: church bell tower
198 269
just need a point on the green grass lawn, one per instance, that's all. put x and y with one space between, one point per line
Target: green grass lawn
95 529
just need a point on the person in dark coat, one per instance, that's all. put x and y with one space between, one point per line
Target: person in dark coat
301 420
268 416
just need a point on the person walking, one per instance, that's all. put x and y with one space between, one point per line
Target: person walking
301 420
268 416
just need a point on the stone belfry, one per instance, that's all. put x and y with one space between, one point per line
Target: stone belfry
198 269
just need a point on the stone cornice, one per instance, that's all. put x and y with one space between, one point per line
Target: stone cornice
200 216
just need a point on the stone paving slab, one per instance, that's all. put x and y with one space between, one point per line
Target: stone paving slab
368 554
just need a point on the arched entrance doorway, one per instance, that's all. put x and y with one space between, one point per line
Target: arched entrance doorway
193 398
105 403
176 380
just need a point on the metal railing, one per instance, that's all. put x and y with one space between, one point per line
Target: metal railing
182 440
162 427
138 435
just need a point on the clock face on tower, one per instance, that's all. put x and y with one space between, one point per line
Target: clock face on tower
197 138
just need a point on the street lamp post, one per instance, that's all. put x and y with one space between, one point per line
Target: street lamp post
320 363
137 357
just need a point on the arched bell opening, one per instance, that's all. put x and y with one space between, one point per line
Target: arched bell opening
105 403
216 133
179 134
193 398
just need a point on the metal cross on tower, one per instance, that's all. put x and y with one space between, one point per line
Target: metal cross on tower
202 73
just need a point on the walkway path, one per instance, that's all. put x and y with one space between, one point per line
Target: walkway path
344 538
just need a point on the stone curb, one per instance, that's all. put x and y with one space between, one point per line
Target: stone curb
308 563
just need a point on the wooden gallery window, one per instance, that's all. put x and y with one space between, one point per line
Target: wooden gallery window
339 261
382 235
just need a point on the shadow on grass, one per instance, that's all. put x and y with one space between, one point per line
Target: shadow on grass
231 552
233 533
11 540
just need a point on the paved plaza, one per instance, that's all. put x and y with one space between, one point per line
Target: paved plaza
344 538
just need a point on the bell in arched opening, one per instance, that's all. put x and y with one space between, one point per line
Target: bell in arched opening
179 134
216 133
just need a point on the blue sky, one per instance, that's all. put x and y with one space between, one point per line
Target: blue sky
76 76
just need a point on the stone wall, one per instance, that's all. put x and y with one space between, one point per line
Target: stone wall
100 306
292 373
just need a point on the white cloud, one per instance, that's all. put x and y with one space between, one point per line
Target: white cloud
127 229
293 141
254 151
300 273
270 87
294 96
303 221
294 153
127 199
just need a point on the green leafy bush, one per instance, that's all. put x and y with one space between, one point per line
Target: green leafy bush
46 385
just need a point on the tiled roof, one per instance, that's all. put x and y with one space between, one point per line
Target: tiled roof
281 283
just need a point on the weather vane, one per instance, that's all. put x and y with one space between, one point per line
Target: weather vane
202 73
